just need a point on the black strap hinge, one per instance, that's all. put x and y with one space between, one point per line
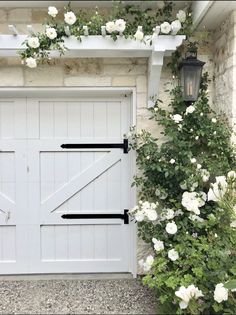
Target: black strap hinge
74 216
124 146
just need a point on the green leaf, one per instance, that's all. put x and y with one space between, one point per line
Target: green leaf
230 285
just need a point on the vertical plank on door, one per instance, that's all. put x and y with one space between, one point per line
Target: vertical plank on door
33 118
87 241
7 120
100 120
74 119
87 117
47 242
46 118
114 120
100 241
74 242
9 243
60 119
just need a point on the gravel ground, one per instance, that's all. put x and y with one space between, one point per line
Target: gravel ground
126 296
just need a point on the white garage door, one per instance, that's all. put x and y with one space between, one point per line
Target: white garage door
64 185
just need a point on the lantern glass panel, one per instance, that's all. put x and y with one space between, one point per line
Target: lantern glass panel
190 80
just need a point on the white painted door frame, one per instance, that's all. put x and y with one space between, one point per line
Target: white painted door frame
43 92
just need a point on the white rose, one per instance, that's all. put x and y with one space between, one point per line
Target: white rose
192 201
171 228
231 174
205 175
220 293
193 160
172 161
33 42
181 16
139 35
175 27
165 28
197 137
120 25
52 11
31 62
152 215
183 305
173 254
177 118
169 214
139 216
214 120
199 166
70 18
190 109
183 294
110 27
218 189
150 260
51 32
158 245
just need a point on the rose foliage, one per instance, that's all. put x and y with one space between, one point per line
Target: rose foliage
187 207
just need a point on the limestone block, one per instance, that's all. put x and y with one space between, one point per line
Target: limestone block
19 15
124 81
11 76
39 15
122 69
141 83
44 75
88 81
83 66
13 61
119 61
3 16
141 100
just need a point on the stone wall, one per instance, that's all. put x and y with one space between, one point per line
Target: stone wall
88 72
225 68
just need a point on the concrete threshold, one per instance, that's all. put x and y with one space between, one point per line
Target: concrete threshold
68 276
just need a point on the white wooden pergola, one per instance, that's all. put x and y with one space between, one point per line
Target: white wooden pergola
105 47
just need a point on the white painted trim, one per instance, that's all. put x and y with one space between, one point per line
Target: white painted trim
133 195
200 9
75 91
104 47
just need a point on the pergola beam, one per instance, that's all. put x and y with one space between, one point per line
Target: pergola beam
105 47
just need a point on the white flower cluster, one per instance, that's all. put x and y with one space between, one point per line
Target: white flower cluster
192 201
52 11
175 26
158 245
177 118
190 109
219 188
147 265
116 26
186 294
145 211
220 293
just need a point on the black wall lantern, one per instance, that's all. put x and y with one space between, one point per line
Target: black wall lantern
190 75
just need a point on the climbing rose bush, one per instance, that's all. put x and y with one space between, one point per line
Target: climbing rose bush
187 212
126 21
